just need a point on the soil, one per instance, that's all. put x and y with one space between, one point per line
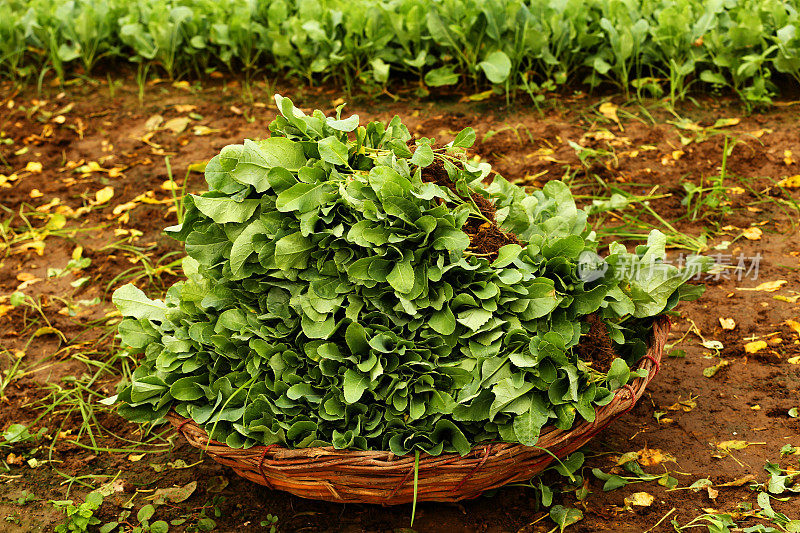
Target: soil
595 346
684 414
485 237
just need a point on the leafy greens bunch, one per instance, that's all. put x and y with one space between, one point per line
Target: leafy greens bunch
334 298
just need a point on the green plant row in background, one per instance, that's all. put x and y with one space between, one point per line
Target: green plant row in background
646 47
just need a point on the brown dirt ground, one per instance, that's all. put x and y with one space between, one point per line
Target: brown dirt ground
746 400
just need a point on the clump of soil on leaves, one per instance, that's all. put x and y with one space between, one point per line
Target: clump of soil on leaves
485 238
595 346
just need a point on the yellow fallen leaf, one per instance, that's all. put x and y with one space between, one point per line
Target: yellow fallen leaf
36 193
609 110
725 122
47 330
177 125
734 444
104 195
4 309
749 478
727 323
183 85
121 208
787 157
752 234
33 166
711 371
755 407
153 122
26 276
204 130
136 457
36 246
793 325
170 185
736 190
677 154
794 360
197 167
684 405
185 108
787 299
755 346
767 286
640 499
790 182
652 457
627 458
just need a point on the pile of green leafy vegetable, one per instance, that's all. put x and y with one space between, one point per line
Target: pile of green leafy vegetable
334 298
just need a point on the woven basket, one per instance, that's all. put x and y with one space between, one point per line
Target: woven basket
383 478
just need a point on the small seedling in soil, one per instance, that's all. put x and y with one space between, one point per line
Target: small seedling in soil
79 517
270 523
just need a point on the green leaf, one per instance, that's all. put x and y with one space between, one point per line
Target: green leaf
506 255
441 76
450 239
618 374
528 425
224 210
145 513
423 155
474 318
347 124
443 322
496 66
354 385
401 278
305 197
333 151
259 157
465 138
134 303
293 251
565 516
159 526
244 246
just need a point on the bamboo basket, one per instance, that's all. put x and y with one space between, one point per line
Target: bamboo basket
380 477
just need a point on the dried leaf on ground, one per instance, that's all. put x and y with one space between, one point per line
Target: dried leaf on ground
711 371
103 195
204 130
767 286
640 499
739 482
174 494
153 122
755 346
683 405
727 323
609 110
752 234
790 182
177 125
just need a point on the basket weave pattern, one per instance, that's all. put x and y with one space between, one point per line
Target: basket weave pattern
380 477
